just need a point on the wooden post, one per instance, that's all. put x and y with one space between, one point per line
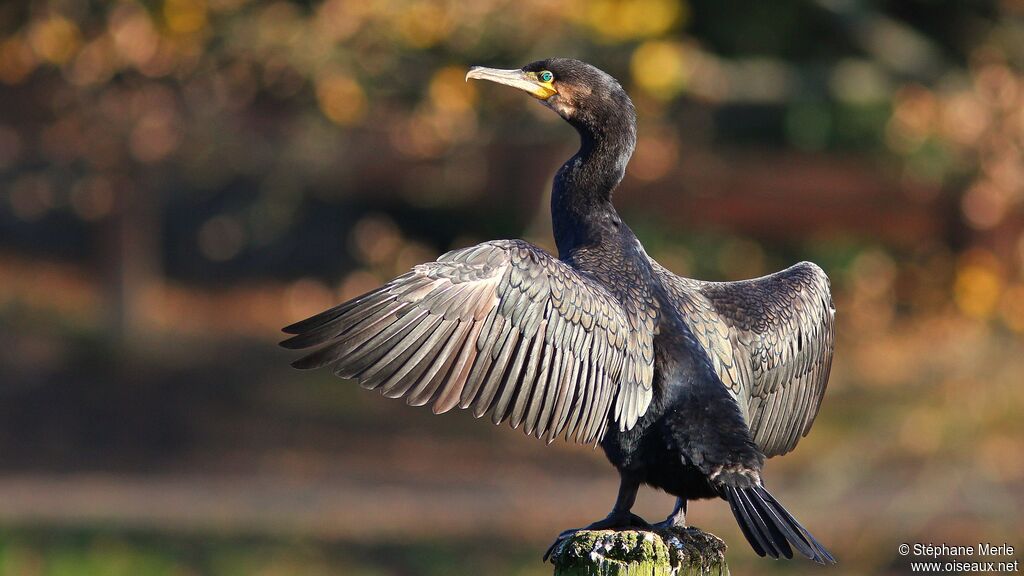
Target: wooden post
674 552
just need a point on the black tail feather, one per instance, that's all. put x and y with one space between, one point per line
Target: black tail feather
766 524
821 554
757 541
780 522
770 528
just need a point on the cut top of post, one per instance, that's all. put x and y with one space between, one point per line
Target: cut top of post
675 552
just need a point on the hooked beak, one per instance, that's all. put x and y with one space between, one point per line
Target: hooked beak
525 81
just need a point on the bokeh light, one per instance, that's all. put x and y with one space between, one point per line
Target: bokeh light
181 178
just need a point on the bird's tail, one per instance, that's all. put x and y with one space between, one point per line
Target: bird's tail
770 528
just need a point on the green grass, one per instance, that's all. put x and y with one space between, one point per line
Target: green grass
67 552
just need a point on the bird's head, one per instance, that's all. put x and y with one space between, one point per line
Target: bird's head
585 96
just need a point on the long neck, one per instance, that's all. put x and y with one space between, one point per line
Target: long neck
581 199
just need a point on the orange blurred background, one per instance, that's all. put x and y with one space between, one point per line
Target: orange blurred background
180 178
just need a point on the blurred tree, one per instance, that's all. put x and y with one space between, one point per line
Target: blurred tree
226 138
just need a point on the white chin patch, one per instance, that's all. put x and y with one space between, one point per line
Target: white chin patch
559 105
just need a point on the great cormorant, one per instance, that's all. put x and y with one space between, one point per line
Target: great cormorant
687 385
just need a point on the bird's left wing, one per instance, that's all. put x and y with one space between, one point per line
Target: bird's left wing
770 340
502 327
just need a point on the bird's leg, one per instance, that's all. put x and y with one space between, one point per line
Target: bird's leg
620 518
677 519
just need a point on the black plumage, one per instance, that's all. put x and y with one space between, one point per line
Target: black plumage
687 385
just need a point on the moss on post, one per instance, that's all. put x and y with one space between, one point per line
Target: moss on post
675 552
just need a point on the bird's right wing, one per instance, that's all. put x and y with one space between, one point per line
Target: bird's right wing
502 327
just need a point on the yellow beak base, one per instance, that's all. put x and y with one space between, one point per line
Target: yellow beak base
525 81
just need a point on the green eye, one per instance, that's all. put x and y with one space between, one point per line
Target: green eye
546 76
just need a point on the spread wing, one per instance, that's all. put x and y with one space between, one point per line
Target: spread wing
501 327
770 340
